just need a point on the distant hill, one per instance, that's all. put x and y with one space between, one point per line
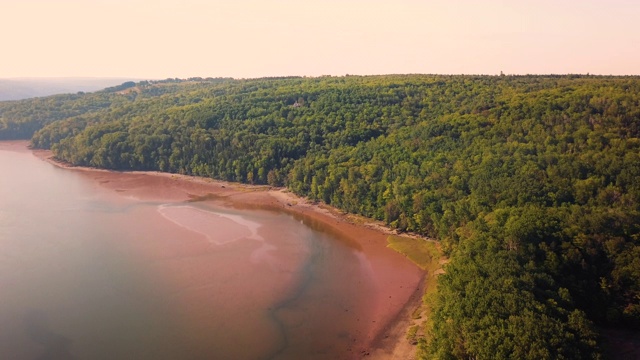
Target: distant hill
24 88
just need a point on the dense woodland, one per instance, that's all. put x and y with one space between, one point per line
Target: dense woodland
531 183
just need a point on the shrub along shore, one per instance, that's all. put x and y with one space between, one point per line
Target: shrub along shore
528 182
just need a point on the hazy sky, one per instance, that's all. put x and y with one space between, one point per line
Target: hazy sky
251 38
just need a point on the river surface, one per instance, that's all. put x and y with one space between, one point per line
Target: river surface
87 272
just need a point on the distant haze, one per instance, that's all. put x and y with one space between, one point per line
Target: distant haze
23 88
255 38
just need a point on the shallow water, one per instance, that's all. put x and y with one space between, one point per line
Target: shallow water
89 273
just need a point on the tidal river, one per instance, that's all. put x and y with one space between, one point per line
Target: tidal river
98 265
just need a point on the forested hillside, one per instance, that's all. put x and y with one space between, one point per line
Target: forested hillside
529 182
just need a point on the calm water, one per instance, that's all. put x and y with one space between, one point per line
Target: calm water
90 273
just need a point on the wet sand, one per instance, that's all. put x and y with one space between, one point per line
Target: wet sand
396 280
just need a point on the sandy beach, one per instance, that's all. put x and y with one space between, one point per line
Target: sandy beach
399 283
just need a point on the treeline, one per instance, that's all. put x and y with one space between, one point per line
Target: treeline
21 119
529 182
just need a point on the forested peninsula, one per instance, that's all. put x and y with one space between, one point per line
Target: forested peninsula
530 183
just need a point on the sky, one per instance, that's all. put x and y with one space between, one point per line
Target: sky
250 38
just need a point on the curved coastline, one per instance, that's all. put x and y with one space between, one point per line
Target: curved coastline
397 298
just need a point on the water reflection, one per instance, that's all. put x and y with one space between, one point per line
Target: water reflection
124 282
56 346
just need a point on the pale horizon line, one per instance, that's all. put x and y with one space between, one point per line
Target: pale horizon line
142 78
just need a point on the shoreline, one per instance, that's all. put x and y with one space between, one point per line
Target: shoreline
387 339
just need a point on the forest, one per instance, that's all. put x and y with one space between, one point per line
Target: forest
529 183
